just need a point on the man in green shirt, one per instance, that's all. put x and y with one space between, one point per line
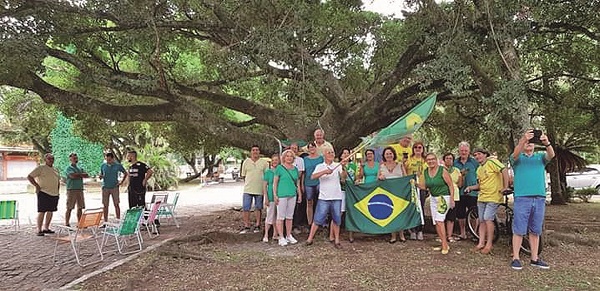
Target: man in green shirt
75 177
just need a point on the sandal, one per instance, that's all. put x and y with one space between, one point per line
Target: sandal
392 241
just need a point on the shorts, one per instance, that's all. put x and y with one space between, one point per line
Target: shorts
451 215
311 192
136 198
285 208
487 210
247 202
439 207
465 203
46 202
110 192
529 215
343 201
271 213
75 196
328 207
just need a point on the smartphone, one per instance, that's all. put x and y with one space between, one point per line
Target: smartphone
405 155
536 136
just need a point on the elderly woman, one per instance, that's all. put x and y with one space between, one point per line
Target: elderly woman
439 183
286 193
388 169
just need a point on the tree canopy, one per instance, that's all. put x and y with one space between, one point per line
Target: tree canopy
286 66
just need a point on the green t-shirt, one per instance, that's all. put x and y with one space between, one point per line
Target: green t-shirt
268 177
286 187
436 184
74 183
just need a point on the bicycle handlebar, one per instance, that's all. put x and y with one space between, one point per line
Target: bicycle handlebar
508 192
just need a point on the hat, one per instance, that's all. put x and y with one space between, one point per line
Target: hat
482 150
72 154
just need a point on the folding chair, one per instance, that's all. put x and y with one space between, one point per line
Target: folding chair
156 197
168 210
9 210
127 230
86 230
148 218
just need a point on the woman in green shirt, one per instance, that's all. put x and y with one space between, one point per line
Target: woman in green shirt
286 193
438 182
370 169
268 198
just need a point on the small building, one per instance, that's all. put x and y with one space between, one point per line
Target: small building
17 162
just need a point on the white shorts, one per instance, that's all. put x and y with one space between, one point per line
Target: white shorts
439 207
285 208
271 213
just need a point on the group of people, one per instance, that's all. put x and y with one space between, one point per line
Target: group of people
46 180
454 185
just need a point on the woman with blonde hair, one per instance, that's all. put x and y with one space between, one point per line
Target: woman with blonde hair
286 193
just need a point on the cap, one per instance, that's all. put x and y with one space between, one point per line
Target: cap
72 155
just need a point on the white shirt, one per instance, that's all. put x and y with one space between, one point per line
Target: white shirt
329 185
299 163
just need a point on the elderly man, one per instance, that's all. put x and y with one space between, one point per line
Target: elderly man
403 148
320 141
530 196
46 180
468 169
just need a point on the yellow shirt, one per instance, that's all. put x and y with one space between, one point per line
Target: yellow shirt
401 150
415 165
48 179
490 181
253 173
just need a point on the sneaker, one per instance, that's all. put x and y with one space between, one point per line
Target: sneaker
41 233
540 264
291 239
420 235
283 242
516 265
413 236
265 239
48 231
245 230
256 229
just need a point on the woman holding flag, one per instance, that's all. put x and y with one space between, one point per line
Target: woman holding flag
392 169
415 165
439 183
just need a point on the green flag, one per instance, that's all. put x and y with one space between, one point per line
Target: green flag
383 206
406 124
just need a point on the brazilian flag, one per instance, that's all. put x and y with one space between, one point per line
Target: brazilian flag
383 206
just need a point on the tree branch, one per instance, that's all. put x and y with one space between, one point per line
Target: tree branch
563 27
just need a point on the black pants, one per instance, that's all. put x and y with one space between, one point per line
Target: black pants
136 198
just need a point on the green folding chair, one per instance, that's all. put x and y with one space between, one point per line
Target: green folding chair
168 210
127 233
9 210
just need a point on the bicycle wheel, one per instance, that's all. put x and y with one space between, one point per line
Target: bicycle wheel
473 221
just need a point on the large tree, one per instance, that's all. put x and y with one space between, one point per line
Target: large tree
288 65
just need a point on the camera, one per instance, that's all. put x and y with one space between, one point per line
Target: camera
536 136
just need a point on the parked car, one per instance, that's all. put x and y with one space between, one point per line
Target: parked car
589 177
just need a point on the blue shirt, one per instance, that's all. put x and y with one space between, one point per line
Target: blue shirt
530 174
470 177
74 183
309 168
111 174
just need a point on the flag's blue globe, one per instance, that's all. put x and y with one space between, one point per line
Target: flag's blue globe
380 206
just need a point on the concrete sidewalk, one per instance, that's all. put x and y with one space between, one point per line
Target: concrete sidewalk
28 259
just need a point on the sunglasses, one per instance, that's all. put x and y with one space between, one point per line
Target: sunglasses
418 147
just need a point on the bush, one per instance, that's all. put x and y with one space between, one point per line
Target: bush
585 194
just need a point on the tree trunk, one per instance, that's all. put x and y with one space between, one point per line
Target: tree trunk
555 188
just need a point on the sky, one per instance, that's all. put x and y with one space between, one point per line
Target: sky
386 7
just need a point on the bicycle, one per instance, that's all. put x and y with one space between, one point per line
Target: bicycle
503 223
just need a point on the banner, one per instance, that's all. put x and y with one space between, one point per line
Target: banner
383 206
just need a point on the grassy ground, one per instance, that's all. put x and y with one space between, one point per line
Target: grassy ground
214 257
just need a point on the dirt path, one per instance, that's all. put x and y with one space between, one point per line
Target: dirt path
214 257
